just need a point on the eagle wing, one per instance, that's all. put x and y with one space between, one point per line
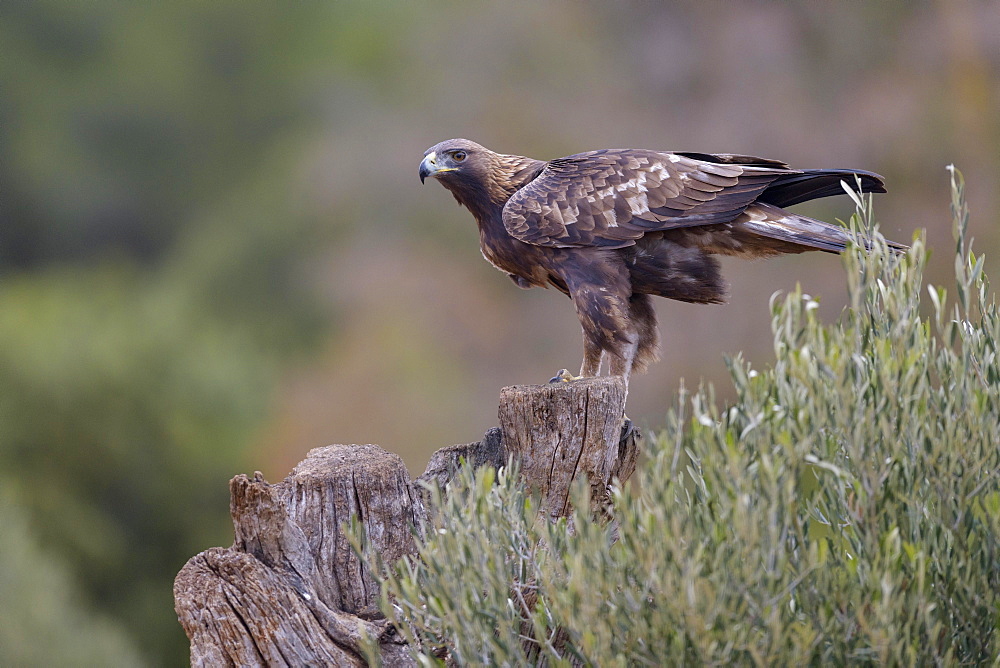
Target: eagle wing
611 198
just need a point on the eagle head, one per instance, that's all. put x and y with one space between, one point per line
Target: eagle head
453 159
481 180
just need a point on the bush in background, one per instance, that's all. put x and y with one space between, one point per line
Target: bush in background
44 620
845 509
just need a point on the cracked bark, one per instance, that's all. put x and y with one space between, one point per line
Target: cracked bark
565 431
290 590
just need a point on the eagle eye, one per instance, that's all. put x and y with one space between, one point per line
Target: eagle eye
459 156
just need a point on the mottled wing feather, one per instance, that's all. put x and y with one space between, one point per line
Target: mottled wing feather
610 198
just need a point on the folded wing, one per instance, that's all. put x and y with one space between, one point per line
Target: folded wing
611 198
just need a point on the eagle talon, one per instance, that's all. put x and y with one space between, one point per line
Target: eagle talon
563 376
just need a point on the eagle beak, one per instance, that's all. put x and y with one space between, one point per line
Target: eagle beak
427 166
430 167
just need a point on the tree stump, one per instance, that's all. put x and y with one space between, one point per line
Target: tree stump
290 591
561 431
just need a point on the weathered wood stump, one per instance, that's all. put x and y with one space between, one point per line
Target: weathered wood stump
560 432
290 590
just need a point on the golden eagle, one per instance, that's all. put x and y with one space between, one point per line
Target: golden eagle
611 228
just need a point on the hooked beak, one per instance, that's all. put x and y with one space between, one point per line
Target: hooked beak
429 166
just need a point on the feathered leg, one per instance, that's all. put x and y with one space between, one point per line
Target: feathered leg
645 346
621 364
598 284
593 358
643 317
608 329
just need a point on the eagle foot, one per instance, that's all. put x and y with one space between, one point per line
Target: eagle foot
564 376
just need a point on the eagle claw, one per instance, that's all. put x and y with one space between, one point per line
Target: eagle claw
563 376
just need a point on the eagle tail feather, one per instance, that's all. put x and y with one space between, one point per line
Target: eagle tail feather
802 232
816 183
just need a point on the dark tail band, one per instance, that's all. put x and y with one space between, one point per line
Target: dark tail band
816 183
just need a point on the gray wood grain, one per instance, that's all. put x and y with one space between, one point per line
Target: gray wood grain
564 431
290 591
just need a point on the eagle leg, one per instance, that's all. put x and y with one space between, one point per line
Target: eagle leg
593 357
622 366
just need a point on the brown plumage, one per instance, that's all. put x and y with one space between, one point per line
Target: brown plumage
611 228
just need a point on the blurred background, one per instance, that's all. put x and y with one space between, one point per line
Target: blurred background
215 253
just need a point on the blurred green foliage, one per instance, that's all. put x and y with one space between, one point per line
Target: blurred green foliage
122 124
147 296
43 621
120 415
845 509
